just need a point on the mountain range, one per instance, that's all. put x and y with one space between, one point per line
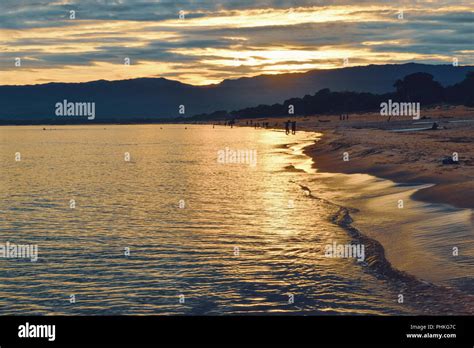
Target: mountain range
148 99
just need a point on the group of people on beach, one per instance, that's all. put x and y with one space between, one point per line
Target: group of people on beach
263 125
287 127
290 126
343 117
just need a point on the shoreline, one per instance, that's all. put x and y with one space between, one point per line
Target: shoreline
434 295
456 191
405 158
414 158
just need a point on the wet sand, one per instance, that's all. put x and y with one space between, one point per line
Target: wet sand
404 157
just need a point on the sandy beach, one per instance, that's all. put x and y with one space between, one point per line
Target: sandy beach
405 157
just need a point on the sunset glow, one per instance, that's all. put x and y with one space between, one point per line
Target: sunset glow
209 44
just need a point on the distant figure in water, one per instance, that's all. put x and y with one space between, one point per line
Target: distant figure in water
434 126
287 127
293 127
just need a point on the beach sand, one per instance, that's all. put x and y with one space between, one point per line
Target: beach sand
403 157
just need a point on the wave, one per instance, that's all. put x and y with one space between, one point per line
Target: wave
422 296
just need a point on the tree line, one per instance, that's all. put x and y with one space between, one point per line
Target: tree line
417 87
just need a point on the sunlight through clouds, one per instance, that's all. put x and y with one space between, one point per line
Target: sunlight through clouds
210 43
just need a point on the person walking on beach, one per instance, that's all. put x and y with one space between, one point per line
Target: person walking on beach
287 127
293 127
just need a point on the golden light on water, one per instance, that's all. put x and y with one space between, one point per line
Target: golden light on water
135 203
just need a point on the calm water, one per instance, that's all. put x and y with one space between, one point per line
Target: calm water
245 239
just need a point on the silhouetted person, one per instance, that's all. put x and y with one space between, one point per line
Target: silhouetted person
434 126
287 127
293 127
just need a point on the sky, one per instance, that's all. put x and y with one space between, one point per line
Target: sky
203 42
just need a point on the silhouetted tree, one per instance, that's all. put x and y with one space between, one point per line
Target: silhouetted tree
419 87
462 92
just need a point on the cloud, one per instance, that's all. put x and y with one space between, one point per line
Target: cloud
223 40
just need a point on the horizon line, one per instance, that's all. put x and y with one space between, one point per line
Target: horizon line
233 79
